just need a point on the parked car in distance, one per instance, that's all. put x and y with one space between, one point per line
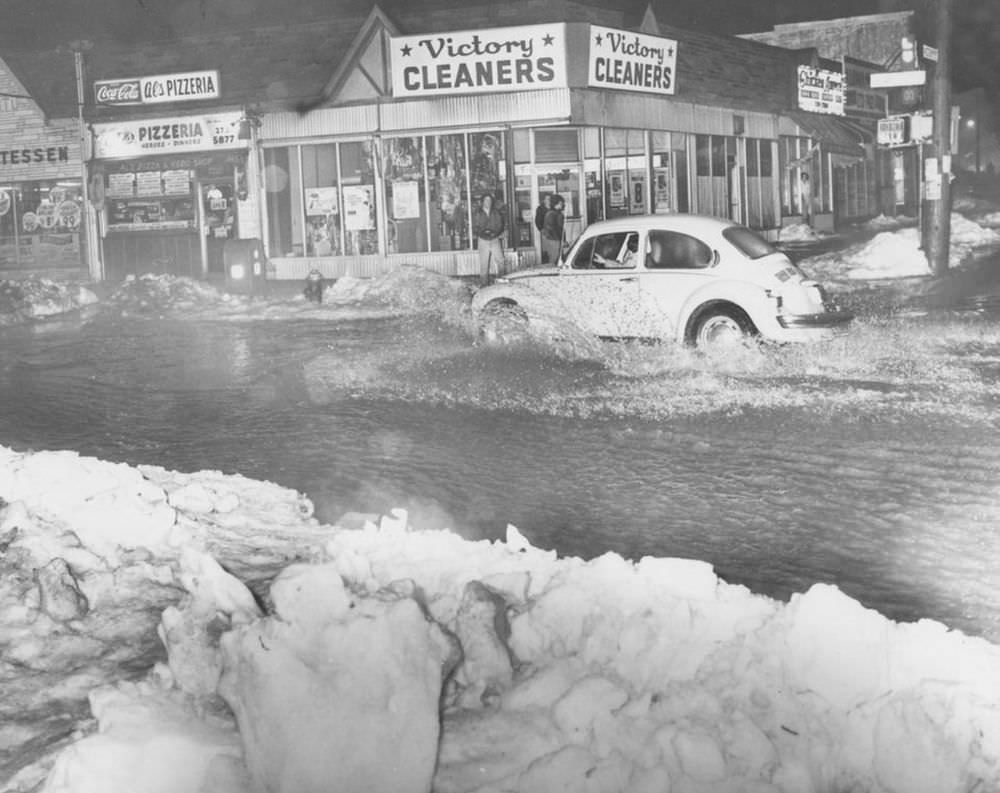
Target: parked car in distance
694 279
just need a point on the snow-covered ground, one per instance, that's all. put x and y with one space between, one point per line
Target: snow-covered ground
554 674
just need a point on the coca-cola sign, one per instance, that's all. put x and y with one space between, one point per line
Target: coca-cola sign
158 88
117 92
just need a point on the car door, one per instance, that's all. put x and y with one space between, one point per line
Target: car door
676 265
600 288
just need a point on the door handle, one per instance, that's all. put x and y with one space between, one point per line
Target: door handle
629 279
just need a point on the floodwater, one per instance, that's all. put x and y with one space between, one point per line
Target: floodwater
871 461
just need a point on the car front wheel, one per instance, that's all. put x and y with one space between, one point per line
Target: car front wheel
502 322
721 326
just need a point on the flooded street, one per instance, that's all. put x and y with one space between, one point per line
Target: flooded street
871 462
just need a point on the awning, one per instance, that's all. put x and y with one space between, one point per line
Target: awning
833 133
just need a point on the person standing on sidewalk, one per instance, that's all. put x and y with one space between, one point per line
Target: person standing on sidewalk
552 231
488 226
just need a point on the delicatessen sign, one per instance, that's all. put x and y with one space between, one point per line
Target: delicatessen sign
631 61
821 91
159 88
167 135
499 59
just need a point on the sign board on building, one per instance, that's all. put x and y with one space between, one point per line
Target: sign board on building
893 131
480 61
898 79
821 91
167 135
629 61
928 52
160 88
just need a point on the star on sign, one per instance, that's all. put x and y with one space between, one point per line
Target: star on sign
599 39
547 40
406 50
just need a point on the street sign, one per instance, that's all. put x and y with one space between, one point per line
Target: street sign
897 79
929 53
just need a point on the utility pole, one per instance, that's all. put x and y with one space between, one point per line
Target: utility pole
936 230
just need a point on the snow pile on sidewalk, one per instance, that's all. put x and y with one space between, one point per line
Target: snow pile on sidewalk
409 289
554 674
798 232
885 223
35 298
162 294
897 254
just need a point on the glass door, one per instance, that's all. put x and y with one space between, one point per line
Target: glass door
566 181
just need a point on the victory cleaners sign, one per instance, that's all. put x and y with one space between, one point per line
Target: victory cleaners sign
631 61
497 59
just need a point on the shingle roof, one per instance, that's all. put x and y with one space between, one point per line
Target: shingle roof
283 66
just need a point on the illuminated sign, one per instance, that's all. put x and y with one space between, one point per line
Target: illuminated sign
631 61
898 79
167 135
498 59
821 91
183 87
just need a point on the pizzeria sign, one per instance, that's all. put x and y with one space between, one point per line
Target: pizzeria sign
524 58
167 135
157 89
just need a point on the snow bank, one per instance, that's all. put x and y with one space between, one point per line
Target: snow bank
409 289
160 294
897 254
35 298
600 675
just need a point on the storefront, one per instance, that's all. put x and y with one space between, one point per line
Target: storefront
586 112
41 195
169 192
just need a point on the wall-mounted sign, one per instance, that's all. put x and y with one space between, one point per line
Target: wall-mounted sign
821 91
928 52
480 61
167 135
631 61
897 79
183 87
893 131
34 154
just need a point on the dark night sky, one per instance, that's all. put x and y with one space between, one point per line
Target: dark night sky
43 24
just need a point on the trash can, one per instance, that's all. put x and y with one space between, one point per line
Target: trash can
245 267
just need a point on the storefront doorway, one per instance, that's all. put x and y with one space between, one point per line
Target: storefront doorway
566 181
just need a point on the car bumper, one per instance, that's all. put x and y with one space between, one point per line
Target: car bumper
825 320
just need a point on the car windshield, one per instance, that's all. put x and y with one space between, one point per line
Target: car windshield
751 244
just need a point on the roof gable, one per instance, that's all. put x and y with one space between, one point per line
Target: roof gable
363 74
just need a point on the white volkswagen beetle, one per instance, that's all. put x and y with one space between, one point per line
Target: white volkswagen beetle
695 279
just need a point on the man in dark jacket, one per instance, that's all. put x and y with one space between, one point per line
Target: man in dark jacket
488 224
540 213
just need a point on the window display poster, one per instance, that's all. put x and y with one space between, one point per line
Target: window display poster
148 183
638 188
616 189
120 185
320 201
406 200
359 208
177 182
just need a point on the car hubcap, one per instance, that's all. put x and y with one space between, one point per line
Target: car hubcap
720 330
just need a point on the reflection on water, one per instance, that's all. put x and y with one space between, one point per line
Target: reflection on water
870 462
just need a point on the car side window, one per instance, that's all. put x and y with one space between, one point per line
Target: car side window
672 250
614 251
584 255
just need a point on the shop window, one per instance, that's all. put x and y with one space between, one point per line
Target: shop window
591 142
277 184
357 191
406 202
321 199
522 145
40 224
703 155
449 197
557 145
627 166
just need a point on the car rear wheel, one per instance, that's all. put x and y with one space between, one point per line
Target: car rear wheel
721 326
502 321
